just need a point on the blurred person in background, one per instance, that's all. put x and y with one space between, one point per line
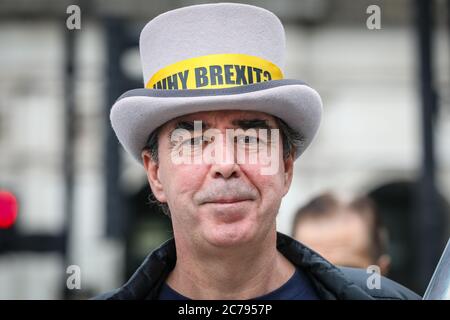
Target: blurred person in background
346 233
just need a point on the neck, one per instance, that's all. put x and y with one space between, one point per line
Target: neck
233 273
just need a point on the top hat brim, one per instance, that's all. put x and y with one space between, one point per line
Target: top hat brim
137 113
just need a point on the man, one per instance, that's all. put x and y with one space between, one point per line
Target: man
217 130
346 233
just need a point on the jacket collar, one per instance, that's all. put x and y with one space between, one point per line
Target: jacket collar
329 281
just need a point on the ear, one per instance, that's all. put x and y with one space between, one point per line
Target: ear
384 262
288 172
153 177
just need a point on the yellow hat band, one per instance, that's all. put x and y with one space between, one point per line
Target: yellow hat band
214 71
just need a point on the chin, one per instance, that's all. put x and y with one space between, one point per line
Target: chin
230 235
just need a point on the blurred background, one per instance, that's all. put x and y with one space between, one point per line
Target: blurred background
83 201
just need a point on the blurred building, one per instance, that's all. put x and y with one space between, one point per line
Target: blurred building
370 136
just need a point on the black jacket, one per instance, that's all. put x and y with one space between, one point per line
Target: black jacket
331 282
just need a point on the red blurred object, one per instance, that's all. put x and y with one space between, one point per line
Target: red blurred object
8 209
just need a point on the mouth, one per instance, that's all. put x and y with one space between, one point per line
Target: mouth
228 210
227 201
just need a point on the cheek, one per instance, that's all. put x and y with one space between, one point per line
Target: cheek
269 186
181 180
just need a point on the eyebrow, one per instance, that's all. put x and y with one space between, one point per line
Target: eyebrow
252 124
189 125
244 124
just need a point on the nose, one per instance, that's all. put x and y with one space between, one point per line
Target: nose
225 170
225 167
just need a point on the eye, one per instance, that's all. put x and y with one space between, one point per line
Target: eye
195 141
247 140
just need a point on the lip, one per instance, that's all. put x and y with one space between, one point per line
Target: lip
228 210
227 201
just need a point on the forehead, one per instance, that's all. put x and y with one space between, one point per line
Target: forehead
345 227
222 118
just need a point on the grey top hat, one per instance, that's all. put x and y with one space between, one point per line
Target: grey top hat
210 57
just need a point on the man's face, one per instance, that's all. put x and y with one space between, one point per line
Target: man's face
342 238
221 203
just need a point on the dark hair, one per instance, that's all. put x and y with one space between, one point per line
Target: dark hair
290 138
328 204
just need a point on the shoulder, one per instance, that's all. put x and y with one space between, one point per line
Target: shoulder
110 295
382 288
